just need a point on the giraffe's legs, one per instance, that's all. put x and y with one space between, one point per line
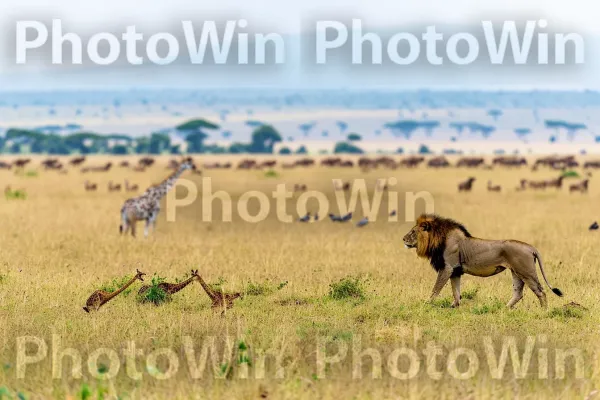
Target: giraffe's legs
146 227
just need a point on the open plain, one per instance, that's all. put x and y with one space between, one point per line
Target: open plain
311 290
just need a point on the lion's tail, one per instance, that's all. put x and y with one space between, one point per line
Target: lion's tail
536 256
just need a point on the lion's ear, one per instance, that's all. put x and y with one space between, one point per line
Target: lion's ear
426 226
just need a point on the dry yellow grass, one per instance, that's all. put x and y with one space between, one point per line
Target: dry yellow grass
62 243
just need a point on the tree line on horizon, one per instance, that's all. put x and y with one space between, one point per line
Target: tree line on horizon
194 135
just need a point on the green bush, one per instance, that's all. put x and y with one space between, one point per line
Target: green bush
155 294
347 288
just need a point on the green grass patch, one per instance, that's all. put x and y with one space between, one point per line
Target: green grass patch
565 313
271 174
570 174
17 194
469 294
347 288
445 302
263 288
491 308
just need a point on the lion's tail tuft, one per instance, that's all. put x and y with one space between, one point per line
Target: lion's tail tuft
536 256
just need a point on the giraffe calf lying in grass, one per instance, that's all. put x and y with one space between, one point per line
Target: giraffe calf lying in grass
101 297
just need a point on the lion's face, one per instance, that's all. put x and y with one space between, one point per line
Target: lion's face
410 239
421 229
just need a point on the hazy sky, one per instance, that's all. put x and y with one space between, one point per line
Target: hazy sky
290 17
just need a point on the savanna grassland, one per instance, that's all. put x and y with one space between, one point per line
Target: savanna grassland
301 282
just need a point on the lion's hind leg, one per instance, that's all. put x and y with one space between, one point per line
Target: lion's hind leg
518 286
536 288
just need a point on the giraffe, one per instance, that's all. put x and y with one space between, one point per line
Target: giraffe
171 288
147 206
219 299
101 297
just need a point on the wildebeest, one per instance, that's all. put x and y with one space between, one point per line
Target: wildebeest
467 185
493 188
579 187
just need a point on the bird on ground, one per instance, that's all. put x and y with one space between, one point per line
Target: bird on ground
306 218
594 226
363 222
335 218
347 217
393 213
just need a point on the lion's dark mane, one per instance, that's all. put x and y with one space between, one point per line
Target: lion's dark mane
440 227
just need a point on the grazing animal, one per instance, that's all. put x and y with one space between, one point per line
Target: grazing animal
172 288
131 188
113 188
522 185
300 188
101 297
306 218
594 226
493 188
363 222
218 298
90 187
579 187
538 184
452 252
147 206
467 185
335 218
557 183
346 217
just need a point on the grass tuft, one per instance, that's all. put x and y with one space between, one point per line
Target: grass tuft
469 294
496 305
271 174
347 288
565 313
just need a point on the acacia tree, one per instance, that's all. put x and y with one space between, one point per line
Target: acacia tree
263 139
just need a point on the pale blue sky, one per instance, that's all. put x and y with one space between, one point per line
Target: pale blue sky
288 17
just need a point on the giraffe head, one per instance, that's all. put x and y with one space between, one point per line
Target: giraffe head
195 274
139 275
187 163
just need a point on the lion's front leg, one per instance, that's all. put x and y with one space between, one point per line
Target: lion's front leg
455 281
442 279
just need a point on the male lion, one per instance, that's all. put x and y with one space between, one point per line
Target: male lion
452 252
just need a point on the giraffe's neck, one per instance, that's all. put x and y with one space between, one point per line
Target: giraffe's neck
115 293
179 286
161 190
207 289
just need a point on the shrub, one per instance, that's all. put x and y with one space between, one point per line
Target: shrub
347 288
271 174
155 294
570 174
